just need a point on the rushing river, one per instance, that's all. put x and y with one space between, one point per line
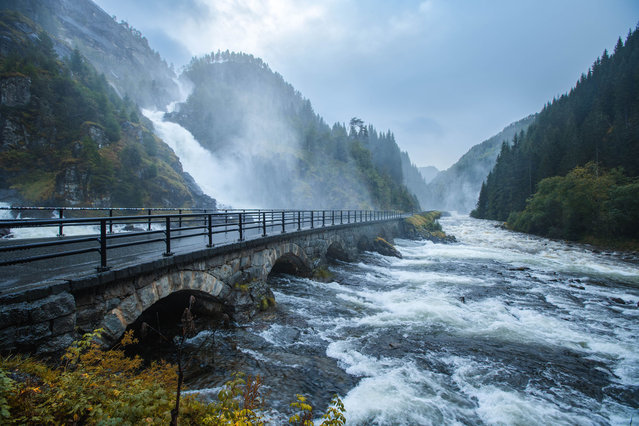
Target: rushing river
499 328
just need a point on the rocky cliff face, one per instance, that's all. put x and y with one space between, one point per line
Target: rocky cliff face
15 90
66 138
118 51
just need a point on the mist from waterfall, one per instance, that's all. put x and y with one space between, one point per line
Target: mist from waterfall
216 177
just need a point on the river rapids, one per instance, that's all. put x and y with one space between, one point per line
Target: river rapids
499 328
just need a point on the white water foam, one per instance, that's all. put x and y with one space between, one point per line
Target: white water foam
406 295
485 239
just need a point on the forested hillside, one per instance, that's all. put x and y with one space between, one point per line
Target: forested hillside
414 180
587 143
249 116
117 50
457 188
66 137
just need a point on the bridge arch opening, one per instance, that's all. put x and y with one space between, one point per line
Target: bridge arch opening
291 264
163 322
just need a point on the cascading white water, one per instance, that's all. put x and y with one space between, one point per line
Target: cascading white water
500 328
218 178
215 177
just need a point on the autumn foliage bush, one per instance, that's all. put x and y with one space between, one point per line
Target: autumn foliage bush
96 386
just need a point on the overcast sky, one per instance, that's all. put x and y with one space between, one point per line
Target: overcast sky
443 75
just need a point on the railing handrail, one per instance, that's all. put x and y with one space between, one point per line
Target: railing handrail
219 210
179 226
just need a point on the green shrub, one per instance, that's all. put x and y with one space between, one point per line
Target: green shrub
95 386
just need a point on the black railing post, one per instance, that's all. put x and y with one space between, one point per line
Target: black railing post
210 230
180 219
149 214
263 224
312 220
333 217
167 233
299 220
239 218
360 215
61 226
341 217
110 221
323 218
283 223
348 216
103 247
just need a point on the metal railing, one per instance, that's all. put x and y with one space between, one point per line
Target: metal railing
107 233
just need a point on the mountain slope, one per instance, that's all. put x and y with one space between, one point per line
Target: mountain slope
118 51
66 138
428 172
582 135
414 180
457 188
276 150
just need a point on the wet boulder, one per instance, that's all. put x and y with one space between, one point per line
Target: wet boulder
385 248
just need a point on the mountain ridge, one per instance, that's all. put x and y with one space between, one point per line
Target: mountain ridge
457 188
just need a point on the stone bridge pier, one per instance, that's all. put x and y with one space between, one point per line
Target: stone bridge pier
230 279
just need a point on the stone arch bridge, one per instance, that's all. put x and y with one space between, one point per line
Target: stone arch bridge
230 277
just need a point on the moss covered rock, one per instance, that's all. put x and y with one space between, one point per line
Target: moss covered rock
424 226
385 248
